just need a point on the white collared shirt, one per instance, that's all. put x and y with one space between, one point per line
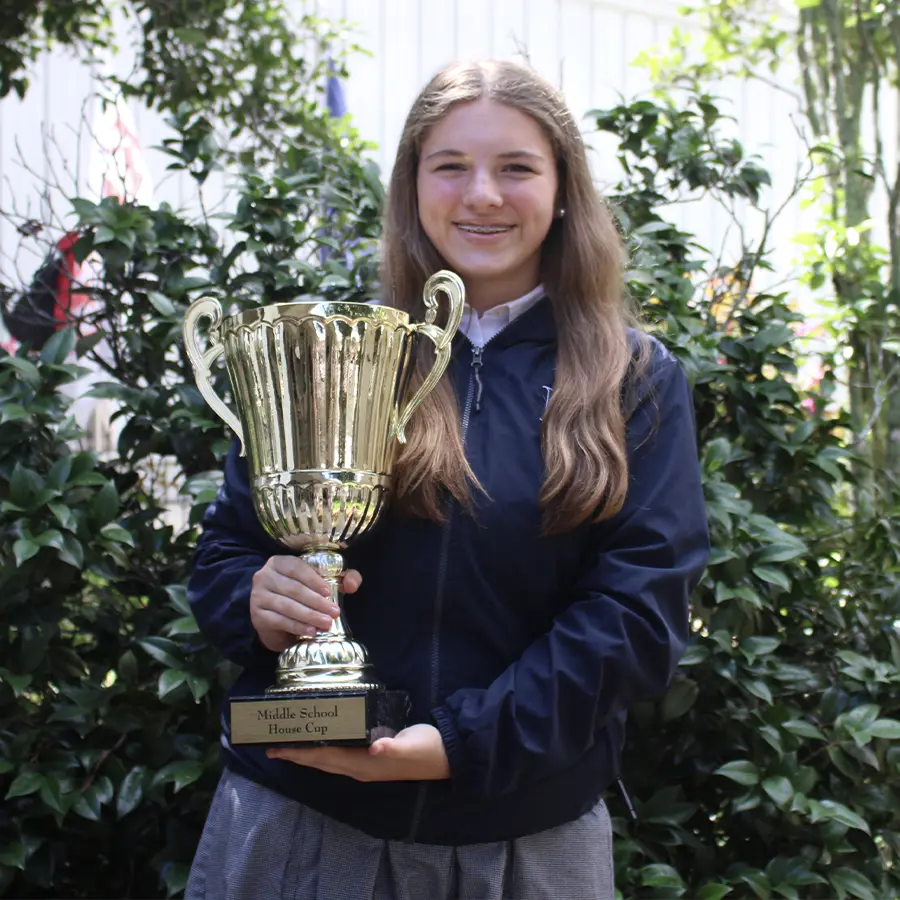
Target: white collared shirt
479 329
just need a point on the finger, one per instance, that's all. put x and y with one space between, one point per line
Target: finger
296 590
273 620
352 581
300 571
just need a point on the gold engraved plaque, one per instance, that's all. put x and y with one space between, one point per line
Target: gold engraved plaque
298 719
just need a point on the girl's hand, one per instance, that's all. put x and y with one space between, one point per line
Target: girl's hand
289 599
415 754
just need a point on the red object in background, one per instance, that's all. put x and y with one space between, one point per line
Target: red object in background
67 299
48 302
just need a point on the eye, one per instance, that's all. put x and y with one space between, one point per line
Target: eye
520 169
450 167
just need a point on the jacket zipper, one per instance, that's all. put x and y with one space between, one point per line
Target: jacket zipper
476 370
471 394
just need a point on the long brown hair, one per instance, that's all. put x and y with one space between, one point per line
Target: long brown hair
583 432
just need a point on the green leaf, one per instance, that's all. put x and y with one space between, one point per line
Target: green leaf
772 336
28 370
199 687
181 773
50 538
12 412
176 878
183 625
772 576
741 770
714 892
803 729
51 793
24 784
59 473
64 515
161 303
131 791
889 729
88 479
72 551
24 549
861 718
13 855
831 809
59 346
848 881
118 534
680 697
178 595
759 689
24 486
88 805
169 680
18 683
779 789
780 552
106 503
164 651
760 646
662 876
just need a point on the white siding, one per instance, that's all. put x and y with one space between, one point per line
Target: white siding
585 46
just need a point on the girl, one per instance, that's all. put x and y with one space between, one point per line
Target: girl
531 578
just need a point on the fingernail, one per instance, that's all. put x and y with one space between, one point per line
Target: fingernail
309 631
335 610
325 622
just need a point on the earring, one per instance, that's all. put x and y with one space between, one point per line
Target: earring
560 212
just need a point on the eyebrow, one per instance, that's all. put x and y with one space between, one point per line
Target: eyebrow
509 154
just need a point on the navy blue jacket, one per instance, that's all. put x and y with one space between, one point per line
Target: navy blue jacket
523 650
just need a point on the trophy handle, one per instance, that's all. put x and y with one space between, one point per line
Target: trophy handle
208 308
451 284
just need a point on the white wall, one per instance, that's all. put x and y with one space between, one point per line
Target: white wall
585 46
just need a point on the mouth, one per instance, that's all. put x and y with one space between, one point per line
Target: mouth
483 229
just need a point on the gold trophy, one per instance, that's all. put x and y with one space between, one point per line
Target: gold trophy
321 395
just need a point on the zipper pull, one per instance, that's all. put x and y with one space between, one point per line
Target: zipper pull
476 367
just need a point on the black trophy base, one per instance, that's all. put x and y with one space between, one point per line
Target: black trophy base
351 718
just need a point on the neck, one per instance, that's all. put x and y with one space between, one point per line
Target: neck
484 295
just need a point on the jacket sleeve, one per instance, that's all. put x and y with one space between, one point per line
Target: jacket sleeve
231 549
626 628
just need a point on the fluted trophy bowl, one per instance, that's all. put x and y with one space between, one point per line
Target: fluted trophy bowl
322 393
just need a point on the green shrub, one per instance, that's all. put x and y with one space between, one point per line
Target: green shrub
768 770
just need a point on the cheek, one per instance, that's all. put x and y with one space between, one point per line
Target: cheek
437 202
436 199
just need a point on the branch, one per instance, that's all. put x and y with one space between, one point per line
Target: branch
809 84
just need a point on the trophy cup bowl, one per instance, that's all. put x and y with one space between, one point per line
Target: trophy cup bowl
321 395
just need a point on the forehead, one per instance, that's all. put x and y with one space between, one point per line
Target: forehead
486 126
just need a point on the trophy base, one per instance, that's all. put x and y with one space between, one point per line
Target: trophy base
349 718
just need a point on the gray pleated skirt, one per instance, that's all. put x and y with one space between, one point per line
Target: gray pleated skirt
258 845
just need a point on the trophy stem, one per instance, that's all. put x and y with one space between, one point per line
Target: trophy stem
330 660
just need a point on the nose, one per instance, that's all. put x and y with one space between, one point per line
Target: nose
482 192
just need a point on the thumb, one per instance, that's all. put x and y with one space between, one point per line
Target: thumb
351 581
385 747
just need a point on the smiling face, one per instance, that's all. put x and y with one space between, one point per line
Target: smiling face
487 187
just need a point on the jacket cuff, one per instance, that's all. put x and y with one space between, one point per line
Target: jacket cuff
443 719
